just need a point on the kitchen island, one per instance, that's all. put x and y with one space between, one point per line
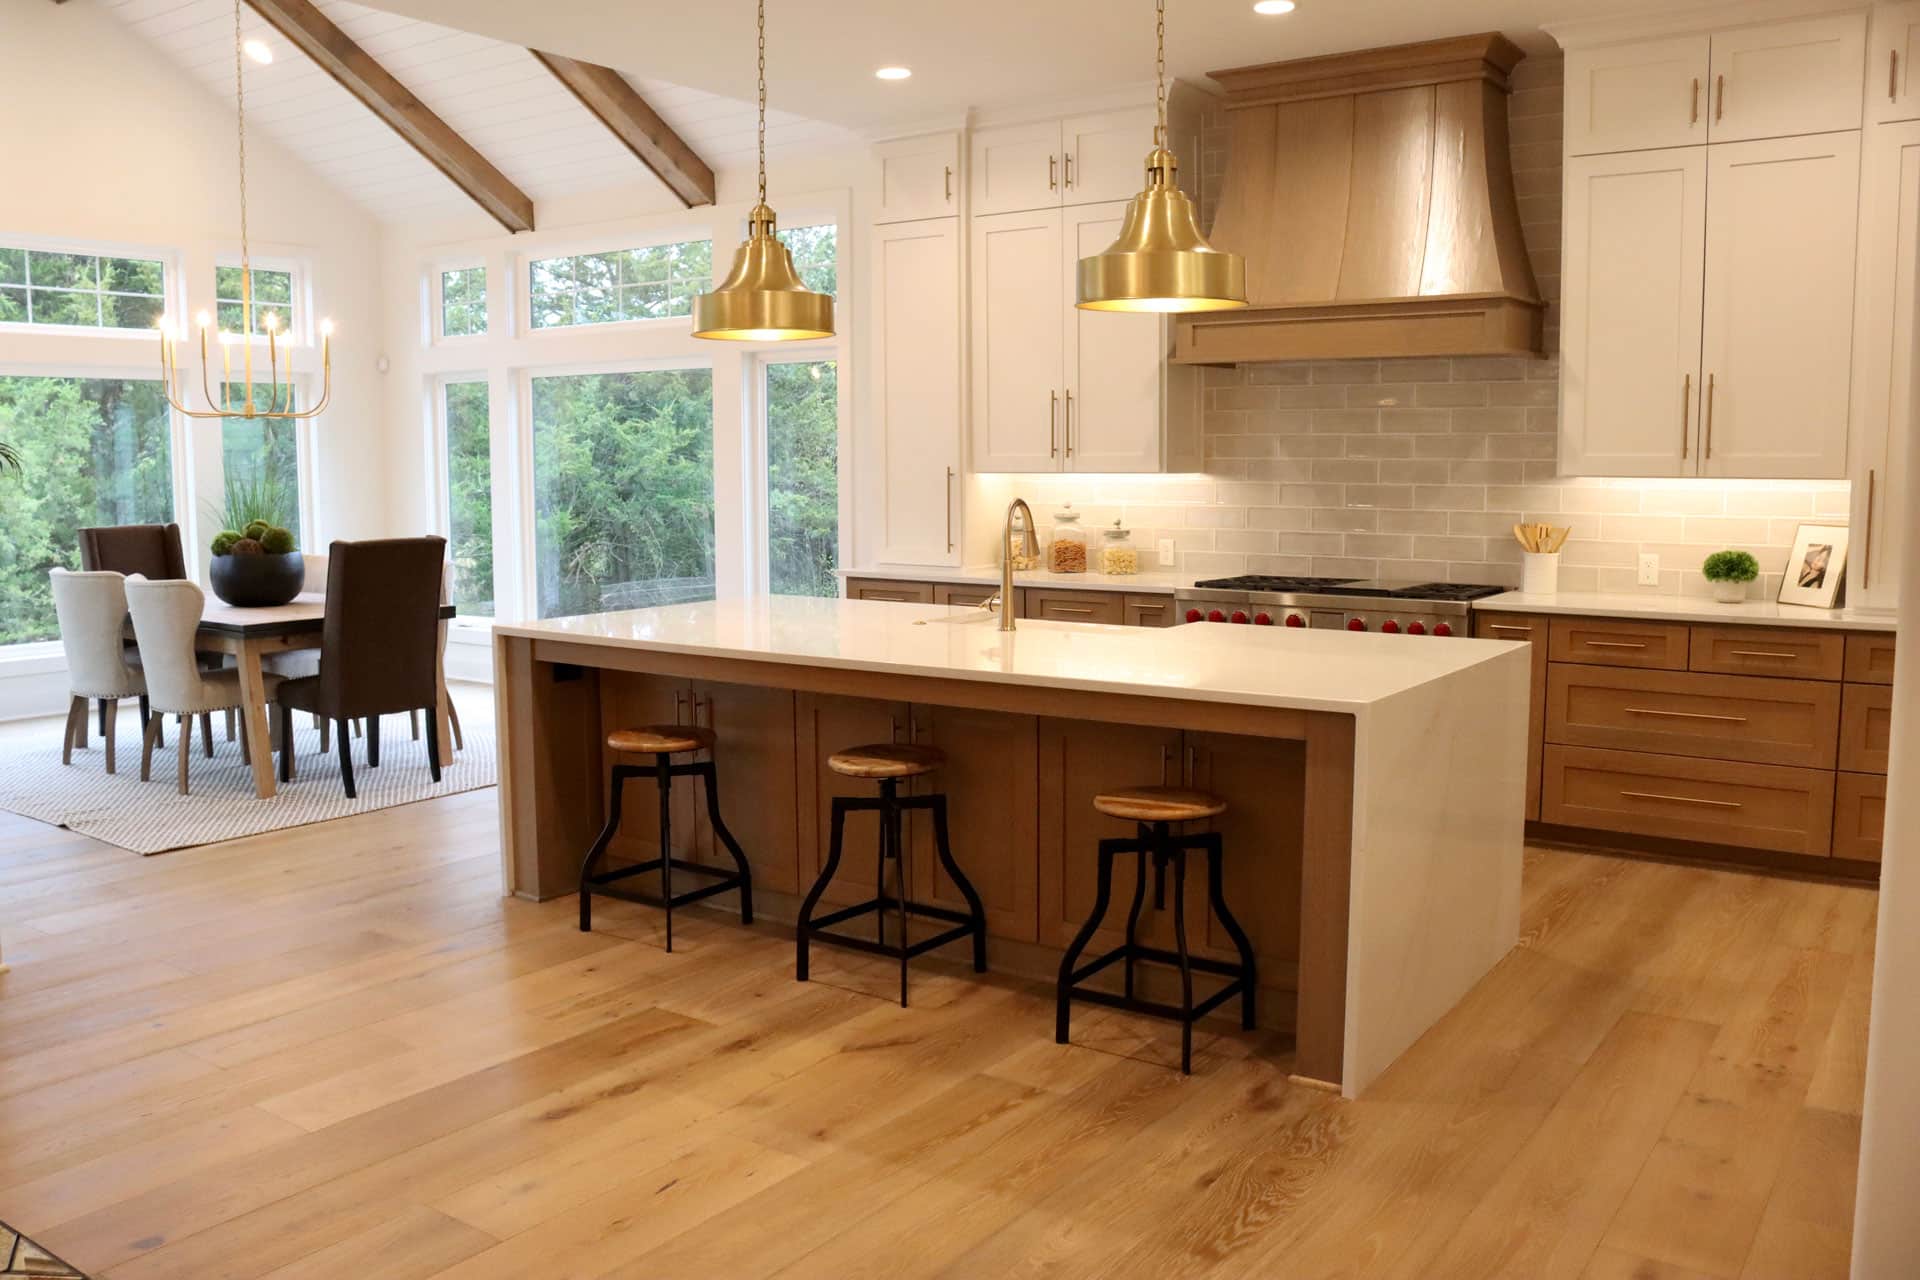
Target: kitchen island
1373 839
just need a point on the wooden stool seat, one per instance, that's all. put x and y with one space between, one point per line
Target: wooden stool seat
1159 804
661 739
886 760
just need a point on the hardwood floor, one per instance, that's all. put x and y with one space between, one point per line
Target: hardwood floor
334 1052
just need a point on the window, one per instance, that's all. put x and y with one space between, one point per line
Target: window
463 302
272 293
469 498
92 451
815 253
260 458
80 290
623 490
803 478
629 284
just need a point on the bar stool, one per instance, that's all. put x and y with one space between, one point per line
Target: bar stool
889 764
1156 810
663 742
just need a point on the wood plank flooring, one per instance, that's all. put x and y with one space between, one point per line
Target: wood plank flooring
335 1052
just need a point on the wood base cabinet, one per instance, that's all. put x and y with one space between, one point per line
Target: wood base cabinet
1752 806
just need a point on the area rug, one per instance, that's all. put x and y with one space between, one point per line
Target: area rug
20 1256
153 817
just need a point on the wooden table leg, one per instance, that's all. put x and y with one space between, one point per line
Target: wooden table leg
1325 899
441 727
253 706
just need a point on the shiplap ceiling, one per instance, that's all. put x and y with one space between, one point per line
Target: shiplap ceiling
494 94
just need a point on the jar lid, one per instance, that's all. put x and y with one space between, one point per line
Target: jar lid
1066 514
1116 533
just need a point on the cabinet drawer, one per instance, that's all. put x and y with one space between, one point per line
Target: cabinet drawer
1610 643
1859 815
889 589
1684 713
1149 611
1752 806
1768 651
1870 658
971 594
1075 606
1866 727
1533 629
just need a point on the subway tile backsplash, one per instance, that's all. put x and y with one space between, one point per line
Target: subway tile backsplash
1419 468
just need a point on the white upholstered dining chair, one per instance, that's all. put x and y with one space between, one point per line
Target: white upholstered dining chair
92 609
166 616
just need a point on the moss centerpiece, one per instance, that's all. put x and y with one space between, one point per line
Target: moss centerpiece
256 567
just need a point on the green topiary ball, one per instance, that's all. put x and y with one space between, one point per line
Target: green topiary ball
247 547
1730 566
223 541
276 541
256 529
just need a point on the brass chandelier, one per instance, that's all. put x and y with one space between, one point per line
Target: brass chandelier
763 299
279 400
1161 262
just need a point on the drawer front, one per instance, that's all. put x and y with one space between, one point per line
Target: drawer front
1768 651
890 589
1859 815
1606 642
971 595
1532 628
1149 611
1075 606
1870 657
1866 728
1750 806
1685 713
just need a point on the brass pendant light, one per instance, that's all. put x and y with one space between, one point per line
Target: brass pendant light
763 298
1161 262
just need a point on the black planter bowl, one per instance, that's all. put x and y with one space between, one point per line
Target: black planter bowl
258 581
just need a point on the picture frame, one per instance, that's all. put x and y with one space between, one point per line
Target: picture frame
1816 567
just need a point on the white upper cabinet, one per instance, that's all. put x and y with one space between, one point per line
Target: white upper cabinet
1627 97
916 389
919 177
1116 364
1017 335
1016 167
1088 159
1104 156
1777 334
1893 91
1636 227
1786 78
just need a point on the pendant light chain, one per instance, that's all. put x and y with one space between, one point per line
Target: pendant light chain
240 112
763 100
1160 73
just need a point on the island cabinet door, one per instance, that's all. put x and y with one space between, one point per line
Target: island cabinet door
1079 760
992 798
1531 628
756 762
629 700
1263 782
828 723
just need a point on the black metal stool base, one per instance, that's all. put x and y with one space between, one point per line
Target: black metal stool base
1158 847
602 883
970 923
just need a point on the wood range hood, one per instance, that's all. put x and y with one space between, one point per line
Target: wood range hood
1372 196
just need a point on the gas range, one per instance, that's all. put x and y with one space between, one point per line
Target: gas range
1352 604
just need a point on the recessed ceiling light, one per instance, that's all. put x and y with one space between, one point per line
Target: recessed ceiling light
893 73
258 51
1273 6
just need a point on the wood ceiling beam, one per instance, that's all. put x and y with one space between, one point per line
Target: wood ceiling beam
606 93
315 35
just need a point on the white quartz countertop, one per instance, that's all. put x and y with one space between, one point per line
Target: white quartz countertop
1146 584
1686 609
1267 666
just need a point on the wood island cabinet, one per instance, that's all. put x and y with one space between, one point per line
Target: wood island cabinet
1533 629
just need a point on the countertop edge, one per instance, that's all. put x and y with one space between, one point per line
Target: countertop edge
1756 613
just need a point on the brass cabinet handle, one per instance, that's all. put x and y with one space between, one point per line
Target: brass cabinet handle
894 596
949 510
1866 574
1684 715
1708 452
1686 406
1764 653
1069 422
1068 608
1069 170
679 696
1053 424
1166 758
948 180
1053 173
1693 116
1893 75
1655 795
1508 626
1616 644
1719 97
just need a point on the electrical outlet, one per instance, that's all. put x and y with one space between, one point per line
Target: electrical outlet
1165 549
1649 569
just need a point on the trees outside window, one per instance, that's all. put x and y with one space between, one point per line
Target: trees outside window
272 292
649 283
469 498
260 458
80 290
815 253
803 478
623 490
463 302
92 452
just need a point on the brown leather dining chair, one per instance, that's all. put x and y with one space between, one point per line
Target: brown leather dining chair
379 647
150 550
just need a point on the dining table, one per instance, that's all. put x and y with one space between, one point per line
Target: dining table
249 634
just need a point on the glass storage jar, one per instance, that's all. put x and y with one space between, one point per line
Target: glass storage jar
1118 555
1067 550
1019 540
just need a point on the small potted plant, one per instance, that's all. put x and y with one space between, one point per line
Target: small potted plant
256 567
1730 572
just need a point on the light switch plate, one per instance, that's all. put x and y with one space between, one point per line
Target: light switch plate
1164 548
1649 569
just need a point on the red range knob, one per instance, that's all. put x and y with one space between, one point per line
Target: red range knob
1214 615
1416 628
1356 624
1295 620
1391 627
1262 619
1442 629
1194 615
1240 615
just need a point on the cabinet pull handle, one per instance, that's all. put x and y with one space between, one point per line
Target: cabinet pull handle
1893 75
1508 626
1053 424
1866 575
1686 406
1708 453
1764 653
1068 608
1069 423
948 181
679 695
949 510
1655 795
1053 173
1616 644
1719 98
894 596
1684 715
1693 116
1166 759
1069 170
